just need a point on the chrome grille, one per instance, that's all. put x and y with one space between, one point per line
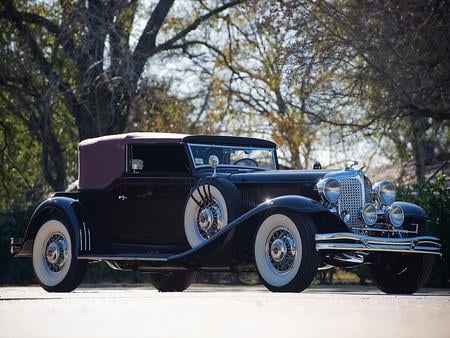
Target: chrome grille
351 199
368 190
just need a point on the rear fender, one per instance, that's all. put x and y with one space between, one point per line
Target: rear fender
71 210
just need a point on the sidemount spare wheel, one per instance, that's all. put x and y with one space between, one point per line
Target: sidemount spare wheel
172 281
55 262
402 273
285 254
212 204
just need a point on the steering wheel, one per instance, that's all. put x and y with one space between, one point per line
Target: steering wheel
246 162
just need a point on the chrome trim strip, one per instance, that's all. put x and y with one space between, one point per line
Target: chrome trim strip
81 240
394 231
89 239
122 258
352 241
85 237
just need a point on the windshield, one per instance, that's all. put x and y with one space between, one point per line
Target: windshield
238 156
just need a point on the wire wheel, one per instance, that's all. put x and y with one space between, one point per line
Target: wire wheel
211 205
210 218
281 250
285 254
52 253
55 262
56 252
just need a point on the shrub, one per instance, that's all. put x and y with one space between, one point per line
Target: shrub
435 199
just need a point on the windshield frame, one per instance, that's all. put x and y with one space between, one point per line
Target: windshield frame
221 165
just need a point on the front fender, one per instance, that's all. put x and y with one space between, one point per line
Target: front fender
238 235
412 211
70 209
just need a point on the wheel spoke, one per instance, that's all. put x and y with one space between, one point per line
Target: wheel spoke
281 250
209 217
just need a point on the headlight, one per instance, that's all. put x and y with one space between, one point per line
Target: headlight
329 189
369 214
385 192
395 215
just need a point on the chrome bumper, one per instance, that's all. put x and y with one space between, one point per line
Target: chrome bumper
348 241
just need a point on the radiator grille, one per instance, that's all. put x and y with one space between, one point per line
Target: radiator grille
352 199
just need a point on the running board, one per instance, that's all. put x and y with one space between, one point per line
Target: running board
127 257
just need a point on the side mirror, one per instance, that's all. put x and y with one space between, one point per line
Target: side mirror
213 163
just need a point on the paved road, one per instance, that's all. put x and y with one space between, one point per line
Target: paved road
215 311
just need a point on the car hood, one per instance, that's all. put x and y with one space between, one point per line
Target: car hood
277 176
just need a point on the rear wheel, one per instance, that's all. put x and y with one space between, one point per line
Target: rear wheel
285 254
55 262
172 281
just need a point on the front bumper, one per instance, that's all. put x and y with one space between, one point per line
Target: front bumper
348 241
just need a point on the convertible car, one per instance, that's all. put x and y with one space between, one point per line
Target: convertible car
172 205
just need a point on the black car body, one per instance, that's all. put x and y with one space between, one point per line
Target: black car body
172 204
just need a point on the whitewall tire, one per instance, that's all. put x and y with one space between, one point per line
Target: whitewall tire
284 250
211 205
54 262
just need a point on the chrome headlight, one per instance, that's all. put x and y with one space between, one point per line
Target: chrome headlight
329 189
395 215
369 214
384 192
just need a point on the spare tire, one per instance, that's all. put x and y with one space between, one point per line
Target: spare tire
212 204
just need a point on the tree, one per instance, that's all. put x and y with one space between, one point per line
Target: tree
266 76
397 68
82 60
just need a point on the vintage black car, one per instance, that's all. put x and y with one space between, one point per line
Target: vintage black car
172 204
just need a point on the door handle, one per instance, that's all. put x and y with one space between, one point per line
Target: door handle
122 197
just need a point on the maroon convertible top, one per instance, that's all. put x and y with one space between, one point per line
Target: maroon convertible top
102 159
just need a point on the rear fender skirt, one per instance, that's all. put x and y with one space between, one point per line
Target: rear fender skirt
236 239
72 210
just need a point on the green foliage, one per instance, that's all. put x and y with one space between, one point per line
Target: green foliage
19 157
13 224
435 199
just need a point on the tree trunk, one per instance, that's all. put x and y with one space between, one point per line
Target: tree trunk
295 157
418 129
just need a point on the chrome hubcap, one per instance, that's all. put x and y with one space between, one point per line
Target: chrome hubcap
206 219
56 252
281 250
278 250
210 218
52 253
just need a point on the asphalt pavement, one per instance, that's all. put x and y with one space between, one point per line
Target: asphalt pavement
222 311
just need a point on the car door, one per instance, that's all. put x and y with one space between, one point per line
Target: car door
153 194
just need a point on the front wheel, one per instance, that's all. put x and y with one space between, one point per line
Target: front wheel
172 281
55 263
285 254
401 273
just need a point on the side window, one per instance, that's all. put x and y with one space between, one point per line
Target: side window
157 158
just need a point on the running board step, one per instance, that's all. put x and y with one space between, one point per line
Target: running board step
127 257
